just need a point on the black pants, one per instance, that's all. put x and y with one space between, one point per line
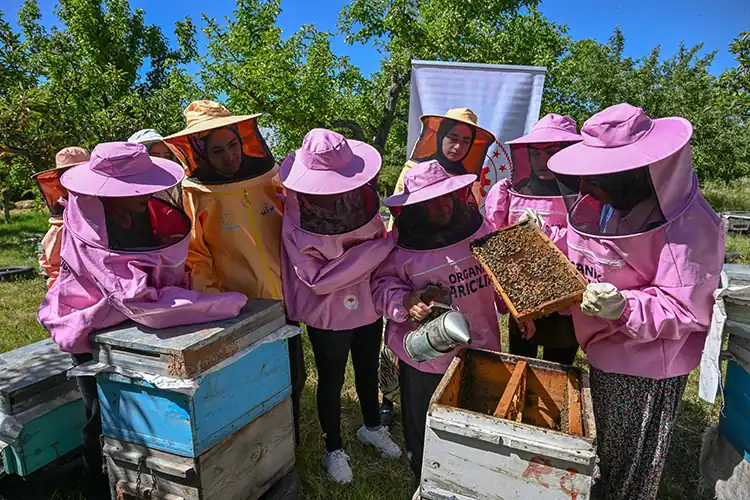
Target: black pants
299 376
331 349
92 430
554 332
416 391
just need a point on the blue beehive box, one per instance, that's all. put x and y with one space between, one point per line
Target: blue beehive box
230 376
41 411
735 418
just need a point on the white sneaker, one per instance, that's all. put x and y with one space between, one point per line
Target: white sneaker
336 464
380 439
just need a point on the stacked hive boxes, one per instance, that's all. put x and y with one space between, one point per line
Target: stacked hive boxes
200 412
41 412
735 417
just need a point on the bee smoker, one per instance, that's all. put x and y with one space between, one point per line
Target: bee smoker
439 336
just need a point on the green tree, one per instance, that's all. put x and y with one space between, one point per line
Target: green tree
99 76
592 76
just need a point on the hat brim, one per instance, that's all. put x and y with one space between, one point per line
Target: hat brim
666 137
213 123
64 167
446 186
548 134
488 136
363 168
163 175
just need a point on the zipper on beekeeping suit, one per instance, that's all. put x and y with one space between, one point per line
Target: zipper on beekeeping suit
256 233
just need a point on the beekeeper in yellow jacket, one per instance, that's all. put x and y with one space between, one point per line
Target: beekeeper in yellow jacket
234 197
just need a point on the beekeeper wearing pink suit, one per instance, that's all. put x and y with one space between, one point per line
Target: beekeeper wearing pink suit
435 219
123 257
533 193
332 240
652 249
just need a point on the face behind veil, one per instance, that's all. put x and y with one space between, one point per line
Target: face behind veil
225 154
439 222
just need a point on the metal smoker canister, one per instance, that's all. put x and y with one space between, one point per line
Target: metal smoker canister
438 337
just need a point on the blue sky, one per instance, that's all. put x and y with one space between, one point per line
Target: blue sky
645 23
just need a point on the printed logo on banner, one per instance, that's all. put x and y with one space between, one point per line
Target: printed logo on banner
495 168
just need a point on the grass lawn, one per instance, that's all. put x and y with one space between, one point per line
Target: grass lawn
375 477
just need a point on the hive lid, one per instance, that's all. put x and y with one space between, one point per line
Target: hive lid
738 274
186 351
33 374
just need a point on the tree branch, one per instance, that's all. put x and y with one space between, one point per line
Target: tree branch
394 91
352 125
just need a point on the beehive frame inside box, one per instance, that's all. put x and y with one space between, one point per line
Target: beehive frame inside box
546 308
547 453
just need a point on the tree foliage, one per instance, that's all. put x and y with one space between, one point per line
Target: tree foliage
102 73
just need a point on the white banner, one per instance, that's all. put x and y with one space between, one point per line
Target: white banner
506 100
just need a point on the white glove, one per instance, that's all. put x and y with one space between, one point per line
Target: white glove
533 216
603 300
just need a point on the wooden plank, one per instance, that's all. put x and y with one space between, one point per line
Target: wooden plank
192 362
156 460
30 371
249 462
189 424
516 384
574 406
447 392
49 436
126 475
478 456
181 338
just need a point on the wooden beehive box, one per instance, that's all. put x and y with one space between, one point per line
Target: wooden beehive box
234 377
187 351
41 411
734 423
510 427
242 466
527 269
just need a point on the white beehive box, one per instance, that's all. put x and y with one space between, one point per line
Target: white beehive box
541 446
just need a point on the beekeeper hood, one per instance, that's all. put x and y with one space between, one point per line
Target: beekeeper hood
635 173
49 183
458 130
331 183
435 210
530 154
218 148
120 199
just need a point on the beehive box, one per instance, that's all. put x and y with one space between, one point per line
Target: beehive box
187 351
41 411
242 467
510 427
527 269
137 405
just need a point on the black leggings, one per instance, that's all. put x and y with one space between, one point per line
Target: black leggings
523 347
416 388
331 349
92 430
